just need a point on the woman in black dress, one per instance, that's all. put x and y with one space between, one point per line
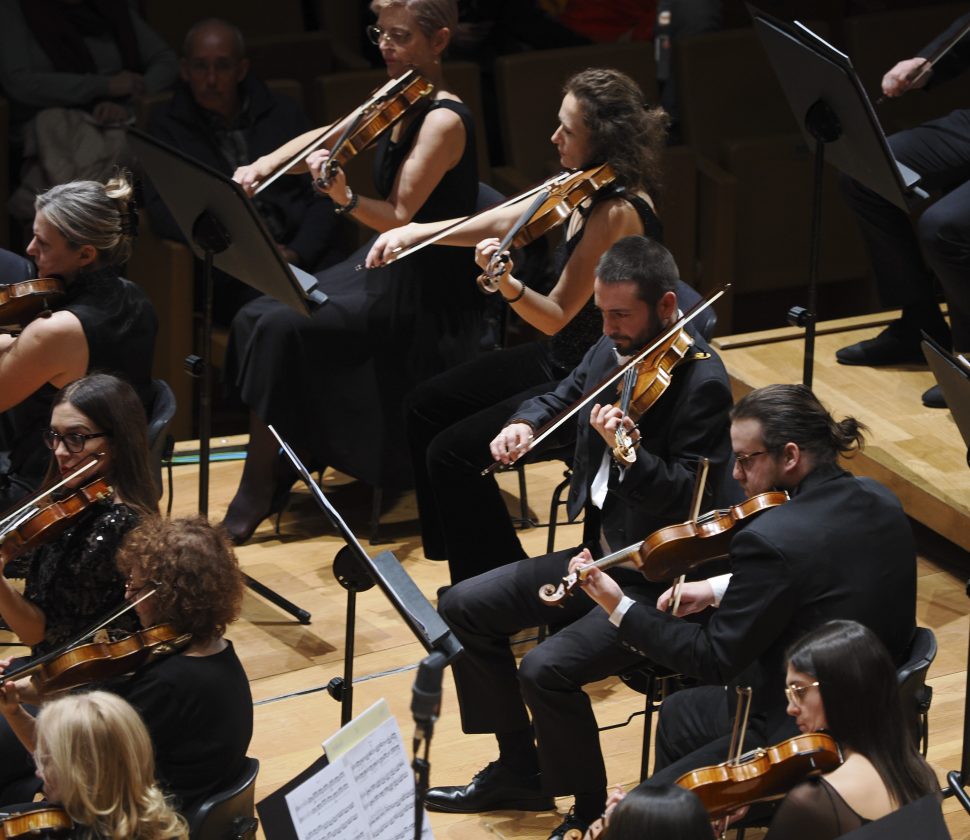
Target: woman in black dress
452 418
83 233
333 384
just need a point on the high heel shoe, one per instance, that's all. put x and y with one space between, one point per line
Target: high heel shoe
243 517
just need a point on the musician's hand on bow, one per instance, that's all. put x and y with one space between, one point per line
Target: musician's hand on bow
896 82
252 174
597 584
606 418
511 443
724 823
695 597
389 244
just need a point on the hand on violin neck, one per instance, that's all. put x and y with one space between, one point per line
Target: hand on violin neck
326 182
607 418
695 597
511 443
490 260
599 586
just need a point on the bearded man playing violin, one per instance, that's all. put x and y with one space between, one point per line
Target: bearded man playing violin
842 548
634 292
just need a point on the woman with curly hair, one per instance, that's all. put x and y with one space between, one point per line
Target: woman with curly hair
196 703
451 418
95 759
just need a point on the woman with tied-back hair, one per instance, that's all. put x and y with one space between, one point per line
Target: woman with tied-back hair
83 234
95 759
452 418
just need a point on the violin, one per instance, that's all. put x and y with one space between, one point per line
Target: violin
42 822
645 383
34 525
574 409
21 302
673 550
359 129
553 204
98 661
762 774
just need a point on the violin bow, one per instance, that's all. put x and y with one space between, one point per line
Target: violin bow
390 88
14 520
703 466
36 664
558 421
917 73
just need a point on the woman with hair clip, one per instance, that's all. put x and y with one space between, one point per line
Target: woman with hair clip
95 760
333 384
83 234
196 703
841 679
73 580
452 418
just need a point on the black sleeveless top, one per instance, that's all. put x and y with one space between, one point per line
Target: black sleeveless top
568 346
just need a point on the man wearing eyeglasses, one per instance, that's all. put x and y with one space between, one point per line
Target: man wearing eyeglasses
842 548
224 117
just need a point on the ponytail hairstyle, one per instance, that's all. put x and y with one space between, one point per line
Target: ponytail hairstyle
793 414
104 216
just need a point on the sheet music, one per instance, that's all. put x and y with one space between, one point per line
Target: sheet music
366 793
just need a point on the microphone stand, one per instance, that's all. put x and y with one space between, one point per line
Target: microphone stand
425 707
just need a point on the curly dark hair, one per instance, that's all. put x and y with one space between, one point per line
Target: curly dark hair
624 131
199 586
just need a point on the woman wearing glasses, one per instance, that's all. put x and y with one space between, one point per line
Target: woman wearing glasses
73 580
333 384
196 703
841 679
83 233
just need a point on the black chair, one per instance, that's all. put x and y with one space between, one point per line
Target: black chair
160 442
229 814
915 693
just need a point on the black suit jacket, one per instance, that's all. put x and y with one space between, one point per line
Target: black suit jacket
688 421
842 548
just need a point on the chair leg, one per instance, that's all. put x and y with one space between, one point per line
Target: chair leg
648 710
554 510
523 520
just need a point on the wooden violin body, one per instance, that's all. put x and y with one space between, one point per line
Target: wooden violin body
48 522
763 774
98 661
674 550
21 302
42 822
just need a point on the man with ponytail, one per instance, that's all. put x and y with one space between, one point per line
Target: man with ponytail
841 548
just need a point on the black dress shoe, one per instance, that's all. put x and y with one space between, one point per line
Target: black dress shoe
496 788
887 348
572 822
933 398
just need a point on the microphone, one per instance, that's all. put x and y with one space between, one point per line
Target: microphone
426 694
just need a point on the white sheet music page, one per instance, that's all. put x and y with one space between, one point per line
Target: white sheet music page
365 793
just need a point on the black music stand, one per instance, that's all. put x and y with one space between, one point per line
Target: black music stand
356 571
223 229
839 123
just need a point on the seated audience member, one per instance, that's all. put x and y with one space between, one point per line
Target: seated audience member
83 232
95 759
225 117
72 70
196 703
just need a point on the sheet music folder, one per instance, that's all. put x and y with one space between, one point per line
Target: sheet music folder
189 188
953 377
811 70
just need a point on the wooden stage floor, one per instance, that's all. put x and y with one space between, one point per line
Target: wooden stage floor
915 450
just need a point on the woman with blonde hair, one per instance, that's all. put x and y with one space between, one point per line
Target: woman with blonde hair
82 234
95 758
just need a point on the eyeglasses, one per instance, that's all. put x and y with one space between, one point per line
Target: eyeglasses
794 692
398 37
73 441
742 460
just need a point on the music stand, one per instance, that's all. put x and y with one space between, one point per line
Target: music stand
838 121
223 229
357 572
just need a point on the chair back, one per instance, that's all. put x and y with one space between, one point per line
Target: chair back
915 694
160 418
229 814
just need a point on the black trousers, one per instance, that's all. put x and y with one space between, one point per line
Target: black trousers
16 763
451 419
496 697
903 257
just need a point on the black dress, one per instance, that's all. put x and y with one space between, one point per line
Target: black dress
333 384
452 418
119 326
